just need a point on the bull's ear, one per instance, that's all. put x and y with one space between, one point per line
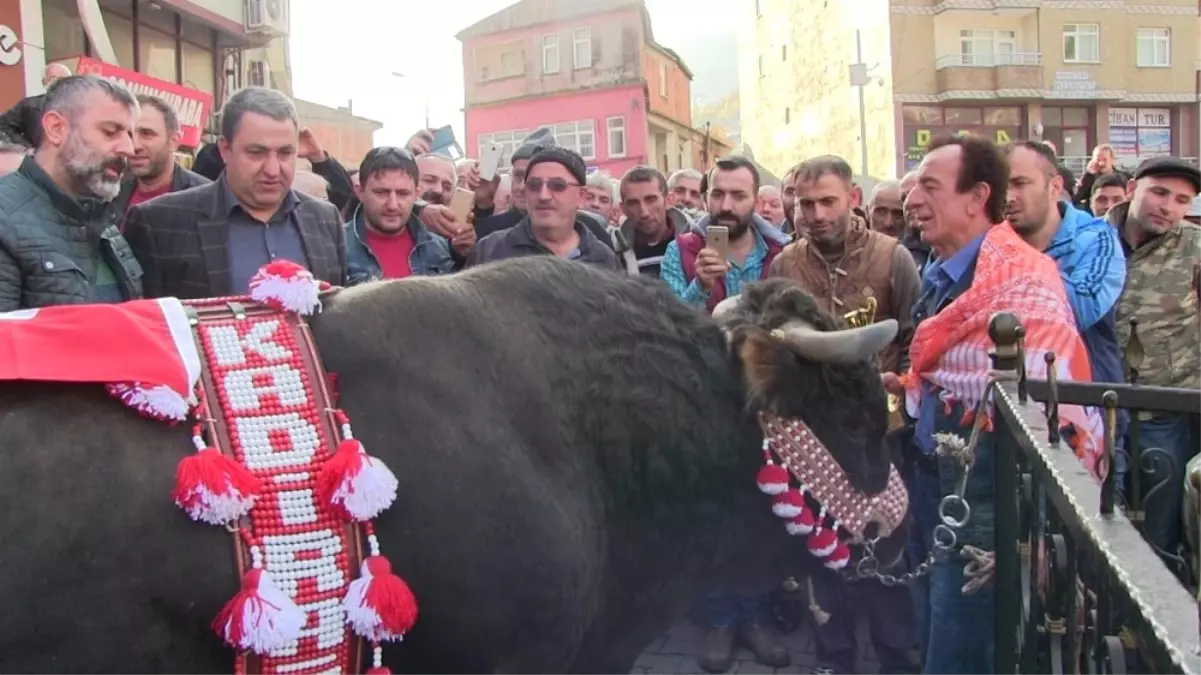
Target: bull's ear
765 363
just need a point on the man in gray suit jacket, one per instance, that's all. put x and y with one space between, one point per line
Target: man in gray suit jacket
208 241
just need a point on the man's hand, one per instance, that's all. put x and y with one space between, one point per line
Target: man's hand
420 142
710 267
441 220
310 147
1092 167
464 242
892 384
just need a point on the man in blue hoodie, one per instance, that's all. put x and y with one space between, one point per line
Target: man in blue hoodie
1085 248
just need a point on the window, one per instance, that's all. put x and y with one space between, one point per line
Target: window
579 136
156 54
1154 47
581 47
197 67
663 80
1081 43
616 128
256 74
987 47
120 33
508 140
550 54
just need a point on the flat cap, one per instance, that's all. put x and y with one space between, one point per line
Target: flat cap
1170 167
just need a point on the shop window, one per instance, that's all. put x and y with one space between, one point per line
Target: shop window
1068 129
198 68
963 116
156 53
156 16
120 33
922 114
63 30
1006 116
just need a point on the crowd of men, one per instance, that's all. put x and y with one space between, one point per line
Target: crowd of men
95 209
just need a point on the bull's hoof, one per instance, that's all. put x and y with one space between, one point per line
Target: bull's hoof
718 653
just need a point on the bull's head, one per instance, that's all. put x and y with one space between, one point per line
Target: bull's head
800 362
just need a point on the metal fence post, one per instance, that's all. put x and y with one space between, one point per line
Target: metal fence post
1006 332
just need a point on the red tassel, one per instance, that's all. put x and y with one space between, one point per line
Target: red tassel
379 605
355 485
213 488
788 504
802 524
822 542
382 670
261 617
772 479
839 557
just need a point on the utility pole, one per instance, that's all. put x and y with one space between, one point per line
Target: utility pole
860 79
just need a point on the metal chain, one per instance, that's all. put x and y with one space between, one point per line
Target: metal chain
944 538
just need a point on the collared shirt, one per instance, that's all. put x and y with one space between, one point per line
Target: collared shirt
253 243
690 291
941 277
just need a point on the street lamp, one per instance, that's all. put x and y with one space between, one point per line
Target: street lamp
860 78
426 95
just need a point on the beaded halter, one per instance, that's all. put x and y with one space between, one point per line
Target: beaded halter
824 505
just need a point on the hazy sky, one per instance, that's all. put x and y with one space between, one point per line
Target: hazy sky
347 49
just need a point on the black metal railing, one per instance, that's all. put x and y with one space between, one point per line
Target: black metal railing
1079 589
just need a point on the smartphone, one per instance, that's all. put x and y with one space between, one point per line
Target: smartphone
490 158
461 203
717 237
445 143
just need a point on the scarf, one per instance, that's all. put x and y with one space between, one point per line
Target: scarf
950 349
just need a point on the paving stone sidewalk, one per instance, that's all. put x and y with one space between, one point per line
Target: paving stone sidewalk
677 651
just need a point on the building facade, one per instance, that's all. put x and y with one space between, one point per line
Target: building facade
1074 72
592 72
342 134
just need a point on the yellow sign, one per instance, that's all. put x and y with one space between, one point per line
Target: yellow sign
924 136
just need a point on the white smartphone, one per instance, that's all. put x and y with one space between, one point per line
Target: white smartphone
490 157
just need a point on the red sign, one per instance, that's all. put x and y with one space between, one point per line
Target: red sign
192 106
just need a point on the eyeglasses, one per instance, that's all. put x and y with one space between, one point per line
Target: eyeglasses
556 185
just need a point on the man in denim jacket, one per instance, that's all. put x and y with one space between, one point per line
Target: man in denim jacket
384 237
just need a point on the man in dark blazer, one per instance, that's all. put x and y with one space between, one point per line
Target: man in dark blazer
208 241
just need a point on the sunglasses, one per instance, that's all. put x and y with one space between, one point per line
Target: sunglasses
556 185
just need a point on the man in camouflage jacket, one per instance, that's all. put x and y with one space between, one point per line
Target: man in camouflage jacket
1163 253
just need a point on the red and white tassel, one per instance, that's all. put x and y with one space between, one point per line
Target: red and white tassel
353 484
839 557
260 618
283 284
379 605
788 504
823 540
772 478
213 488
802 524
158 402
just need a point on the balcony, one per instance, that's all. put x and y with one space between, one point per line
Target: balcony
990 72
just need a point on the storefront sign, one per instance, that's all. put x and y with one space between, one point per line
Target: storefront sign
917 139
192 106
1123 117
1155 117
10 47
1074 84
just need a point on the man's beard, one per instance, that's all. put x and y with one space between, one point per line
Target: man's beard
432 197
86 167
154 168
723 218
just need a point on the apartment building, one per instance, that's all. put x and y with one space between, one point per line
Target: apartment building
1074 72
591 71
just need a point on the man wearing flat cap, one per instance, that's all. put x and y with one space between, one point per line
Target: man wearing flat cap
1163 255
554 189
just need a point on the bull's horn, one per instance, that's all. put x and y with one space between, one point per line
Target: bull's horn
722 310
837 346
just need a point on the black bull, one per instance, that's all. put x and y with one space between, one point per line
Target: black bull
576 455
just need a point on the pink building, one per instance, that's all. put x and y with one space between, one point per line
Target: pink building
593 71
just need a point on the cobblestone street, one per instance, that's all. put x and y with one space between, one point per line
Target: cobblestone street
677 651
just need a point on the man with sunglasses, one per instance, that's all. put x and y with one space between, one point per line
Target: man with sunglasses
554 189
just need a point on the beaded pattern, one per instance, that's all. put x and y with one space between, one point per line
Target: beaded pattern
267 402
810 463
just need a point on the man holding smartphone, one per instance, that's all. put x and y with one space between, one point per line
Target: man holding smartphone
703 275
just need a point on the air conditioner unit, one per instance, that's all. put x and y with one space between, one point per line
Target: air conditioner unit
268 17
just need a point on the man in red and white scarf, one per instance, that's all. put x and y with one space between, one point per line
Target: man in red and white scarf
983 267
